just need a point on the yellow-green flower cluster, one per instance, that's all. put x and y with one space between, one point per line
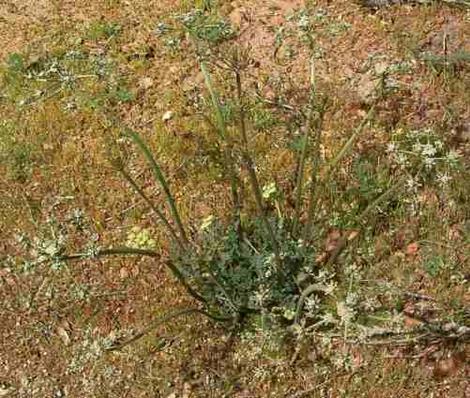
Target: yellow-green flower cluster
140 238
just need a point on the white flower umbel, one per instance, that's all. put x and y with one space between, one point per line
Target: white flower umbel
412 185
443 179
312 305
391 148
269 191
428 150
429 162
345 312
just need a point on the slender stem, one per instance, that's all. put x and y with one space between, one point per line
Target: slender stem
343 242
181 278
315 287
118 251
160 321
161 179
222 128
223 289
349 143
252 176
314 195
314 175
372 206
225 141
159 214
300 175
305 146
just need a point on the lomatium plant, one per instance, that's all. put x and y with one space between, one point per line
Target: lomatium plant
263 264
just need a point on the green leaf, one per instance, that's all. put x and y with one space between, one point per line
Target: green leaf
434 265
15 62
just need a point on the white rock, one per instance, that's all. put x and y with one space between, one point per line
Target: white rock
168 115
145 83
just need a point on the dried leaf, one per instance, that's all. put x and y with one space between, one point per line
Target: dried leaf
352 235
412 249
64 335
321 258
123 273
445 367
5 392
411 322
332 240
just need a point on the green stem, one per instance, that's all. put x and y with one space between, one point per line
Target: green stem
396 187
225 141
315 192
349 143
219 284
159 214
253 178
222 128
312 200
161 179
343 242
315 287
300 175
160 321
303 155
118 251
181 278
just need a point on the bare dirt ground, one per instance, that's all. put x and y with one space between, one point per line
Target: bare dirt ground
55 327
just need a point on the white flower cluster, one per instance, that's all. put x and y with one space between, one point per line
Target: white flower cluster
260 296
269 191
323 280
422 153
312 304
401 149
303 22
45 250
346 311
